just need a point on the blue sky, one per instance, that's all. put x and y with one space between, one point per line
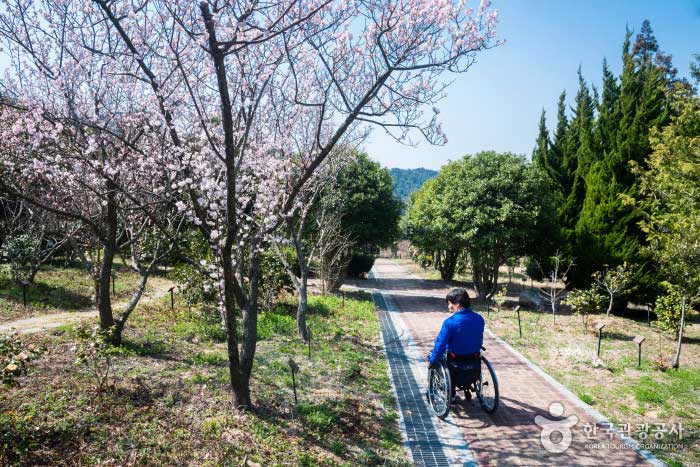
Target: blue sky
497 103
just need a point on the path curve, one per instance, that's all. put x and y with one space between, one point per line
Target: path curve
46 322
510 436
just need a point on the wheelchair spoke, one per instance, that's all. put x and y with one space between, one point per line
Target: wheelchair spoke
487 387
439 390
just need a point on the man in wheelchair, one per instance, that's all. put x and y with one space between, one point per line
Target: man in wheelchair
461 336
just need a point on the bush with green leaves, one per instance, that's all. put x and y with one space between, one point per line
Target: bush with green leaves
18 253
668 309
360 264
274 278
585 303
94 351
14 357
195 287
424 259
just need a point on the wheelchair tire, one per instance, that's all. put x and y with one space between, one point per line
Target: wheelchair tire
487 387
439 388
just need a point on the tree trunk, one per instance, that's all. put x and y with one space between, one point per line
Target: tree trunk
448 264
677 358
250 326
131 306
104 300
485 278
302 306
610 304
241 392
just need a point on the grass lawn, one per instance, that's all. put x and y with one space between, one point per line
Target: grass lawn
170 403
613 384
59 289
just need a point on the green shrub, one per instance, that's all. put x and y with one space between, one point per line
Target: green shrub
360 264
18 252
94 351
668 309
585 303
274 278
194 286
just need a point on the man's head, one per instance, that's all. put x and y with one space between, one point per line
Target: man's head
457 298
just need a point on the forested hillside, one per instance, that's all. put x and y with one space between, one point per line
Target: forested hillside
406 181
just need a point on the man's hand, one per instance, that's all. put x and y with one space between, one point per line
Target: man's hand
427 360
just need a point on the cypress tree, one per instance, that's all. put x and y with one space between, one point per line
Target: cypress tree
578 156
556 149
607 229
608 114
541 153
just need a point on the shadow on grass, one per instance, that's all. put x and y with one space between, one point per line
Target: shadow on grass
40 295
22 444
154 349
618 336
334 425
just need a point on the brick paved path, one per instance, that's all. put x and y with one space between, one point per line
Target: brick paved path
510 436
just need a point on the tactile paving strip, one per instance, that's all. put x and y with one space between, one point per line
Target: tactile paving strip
423 440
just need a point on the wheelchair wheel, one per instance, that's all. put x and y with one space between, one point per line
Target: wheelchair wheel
487 387
439 388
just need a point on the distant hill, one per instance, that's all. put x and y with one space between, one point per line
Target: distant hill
406 181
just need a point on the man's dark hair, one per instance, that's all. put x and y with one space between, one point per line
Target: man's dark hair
459 297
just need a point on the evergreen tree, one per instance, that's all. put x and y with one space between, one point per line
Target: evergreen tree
556 153
608 114
607 229
695 68
540 155
578 156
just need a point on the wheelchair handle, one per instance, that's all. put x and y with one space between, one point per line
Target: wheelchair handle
483 348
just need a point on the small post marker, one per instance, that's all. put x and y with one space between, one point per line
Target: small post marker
520 326
488 304
600 327
172 297
638 340
294 368
308 333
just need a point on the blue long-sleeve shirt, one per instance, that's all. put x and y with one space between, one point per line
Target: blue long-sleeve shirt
461 333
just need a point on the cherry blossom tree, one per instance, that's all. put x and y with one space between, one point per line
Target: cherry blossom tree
78 144
255 96
300 232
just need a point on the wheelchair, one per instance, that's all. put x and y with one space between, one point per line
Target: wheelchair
473 375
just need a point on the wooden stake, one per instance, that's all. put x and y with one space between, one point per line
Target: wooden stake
600 327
